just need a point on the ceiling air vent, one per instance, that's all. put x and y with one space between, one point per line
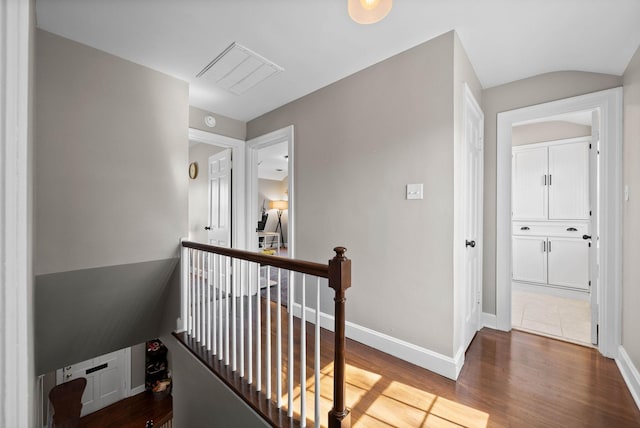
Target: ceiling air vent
237 69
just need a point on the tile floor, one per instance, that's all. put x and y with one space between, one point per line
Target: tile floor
557 317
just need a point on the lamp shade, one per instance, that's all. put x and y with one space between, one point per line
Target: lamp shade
369 11
280 205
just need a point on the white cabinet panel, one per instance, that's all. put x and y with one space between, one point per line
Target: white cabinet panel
529 190
569 181
529 259
569 262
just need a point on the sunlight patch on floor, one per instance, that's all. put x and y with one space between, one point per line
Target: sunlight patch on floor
399 405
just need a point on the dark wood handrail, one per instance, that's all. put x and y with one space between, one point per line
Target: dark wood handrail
301 266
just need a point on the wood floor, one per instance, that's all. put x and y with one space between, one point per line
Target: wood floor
509 380
132 412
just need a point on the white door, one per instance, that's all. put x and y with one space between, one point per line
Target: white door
594 261
529 184
569 181
473 173
529 259
568 262
220 199
105 380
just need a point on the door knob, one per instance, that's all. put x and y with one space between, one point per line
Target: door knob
207 228
586 236
471 244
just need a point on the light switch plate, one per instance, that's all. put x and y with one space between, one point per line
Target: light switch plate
414 191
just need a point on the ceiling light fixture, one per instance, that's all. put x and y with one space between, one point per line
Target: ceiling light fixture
369 11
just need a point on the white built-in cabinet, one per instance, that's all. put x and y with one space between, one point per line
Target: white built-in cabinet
551 213
551 182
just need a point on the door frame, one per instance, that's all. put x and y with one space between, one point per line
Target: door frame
459 249
238 227
609 104
252 147
16 215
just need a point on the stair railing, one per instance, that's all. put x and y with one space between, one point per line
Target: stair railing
222 310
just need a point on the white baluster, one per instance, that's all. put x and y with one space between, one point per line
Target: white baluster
197 287
216 284
258 335
290 359
316 357
268 335
250 326
208 281
234 342
190 297
279 343
203 302
227 285
242 287
303 355
221 262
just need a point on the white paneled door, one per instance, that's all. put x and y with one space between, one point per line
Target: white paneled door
105 380
219 227
472 194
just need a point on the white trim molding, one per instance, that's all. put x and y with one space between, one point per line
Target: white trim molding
445 366
630 374
609 105
489 321
18 385
238 238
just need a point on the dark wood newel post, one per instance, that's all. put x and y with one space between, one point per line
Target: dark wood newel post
339 280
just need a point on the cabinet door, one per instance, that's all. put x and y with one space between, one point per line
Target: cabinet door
529 190
529 258
569 181
569 262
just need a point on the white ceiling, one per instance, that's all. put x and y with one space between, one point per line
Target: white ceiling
273 162
316 42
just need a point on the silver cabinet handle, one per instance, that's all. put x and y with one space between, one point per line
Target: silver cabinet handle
544 246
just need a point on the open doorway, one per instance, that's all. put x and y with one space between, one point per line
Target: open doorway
271 196
554 222
273 199
606 270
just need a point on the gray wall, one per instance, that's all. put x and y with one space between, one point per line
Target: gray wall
200 399
199 191
547 131
359 141
522 93
631 227
224 125
111 195
138 362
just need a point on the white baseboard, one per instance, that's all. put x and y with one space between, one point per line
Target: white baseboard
489 320
630 374
136 390
446 366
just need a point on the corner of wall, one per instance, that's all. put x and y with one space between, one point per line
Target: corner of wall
629 373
